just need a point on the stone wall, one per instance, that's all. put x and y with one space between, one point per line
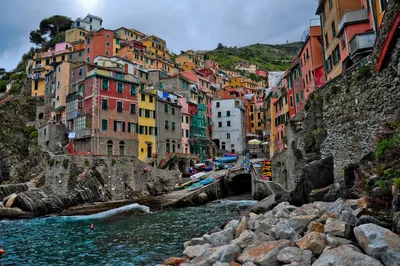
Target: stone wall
342 122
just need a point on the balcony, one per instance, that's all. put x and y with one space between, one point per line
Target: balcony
353 17
114 75
83 133
361 43
38 67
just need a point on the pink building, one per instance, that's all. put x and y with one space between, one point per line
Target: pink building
185 125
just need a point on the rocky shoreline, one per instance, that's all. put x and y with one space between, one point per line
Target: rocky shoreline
319 234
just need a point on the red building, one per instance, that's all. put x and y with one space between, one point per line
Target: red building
102 114
99 43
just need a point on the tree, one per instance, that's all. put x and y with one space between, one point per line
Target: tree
2 71
3 85
54 25
36 37
220 46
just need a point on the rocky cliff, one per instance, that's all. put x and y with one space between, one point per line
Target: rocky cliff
345 142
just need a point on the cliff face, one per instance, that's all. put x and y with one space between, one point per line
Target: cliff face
334 142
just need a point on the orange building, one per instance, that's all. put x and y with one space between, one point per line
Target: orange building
99 43
331 12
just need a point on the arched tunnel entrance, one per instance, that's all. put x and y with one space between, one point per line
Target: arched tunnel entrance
239 185
184 168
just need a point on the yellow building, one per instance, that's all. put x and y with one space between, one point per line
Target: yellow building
129 34
116 46
273 143
380 8
190 57
157 46
236 81
75 35
147 125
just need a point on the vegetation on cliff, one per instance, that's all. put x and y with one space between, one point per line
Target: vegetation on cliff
270 57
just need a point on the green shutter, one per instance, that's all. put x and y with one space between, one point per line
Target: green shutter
104 124
166 108
133 90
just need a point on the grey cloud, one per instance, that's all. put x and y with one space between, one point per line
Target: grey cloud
184 24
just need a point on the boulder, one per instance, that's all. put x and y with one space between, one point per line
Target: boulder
249 263
197 241
348 217
283 230
174 261
264 254
325 217
245 239
337 228
315 227
297 264
232 224
306 209
242 226
335 241
367 219
379 242
235 264
15 213
320 172
195 251
283 207
187 243
360 212
338 206
346 255
262 206
202 197
300 223
314 241
221 238
266 225
226 253
10 200
218 263
294 254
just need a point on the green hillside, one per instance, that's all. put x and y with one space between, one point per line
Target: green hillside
270 57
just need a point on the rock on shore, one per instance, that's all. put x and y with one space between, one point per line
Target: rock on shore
317 234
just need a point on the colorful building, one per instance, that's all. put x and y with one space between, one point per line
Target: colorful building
186 119
147 133
89 23
157 46
190 57
129 34
75 35
99 43
311 65
331 12
103 115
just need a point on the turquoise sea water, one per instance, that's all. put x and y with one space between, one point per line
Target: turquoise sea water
142 240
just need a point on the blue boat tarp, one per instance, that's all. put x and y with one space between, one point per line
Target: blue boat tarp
227 159
207 181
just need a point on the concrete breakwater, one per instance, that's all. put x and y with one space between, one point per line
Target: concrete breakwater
319 234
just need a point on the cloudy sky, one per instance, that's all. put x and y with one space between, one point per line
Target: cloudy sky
184 24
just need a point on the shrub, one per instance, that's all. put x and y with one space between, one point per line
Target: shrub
396 182
113 162
363 72
87 162
65 163
382 183
51 162
382 146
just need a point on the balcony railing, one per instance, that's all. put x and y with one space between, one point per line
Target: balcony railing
352 17
362 42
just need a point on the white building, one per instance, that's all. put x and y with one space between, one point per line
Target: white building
229 130
89 23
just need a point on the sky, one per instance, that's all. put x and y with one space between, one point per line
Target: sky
184 24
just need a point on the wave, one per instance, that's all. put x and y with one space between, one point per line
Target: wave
235 202
127 210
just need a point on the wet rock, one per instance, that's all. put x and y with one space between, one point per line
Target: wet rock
315 227
242 226
347 255
195 251
294 254
187 243
283 230
221 238
264 254
232 224
366 219
174 261
15 213
335 241
307 209
337 228
379 242
314 241
10 200
202 197
262 206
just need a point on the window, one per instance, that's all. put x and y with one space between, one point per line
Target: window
80 53
166 108
106 52
141 130
291 100
107 44
166 124
302 95
336 55
120 87
326 41
330 4
218 104
105 84
80 71
343 41
228 113
333 29
78 23
297 97
133 90
173 125
187 133
88 40
88 50
219 124
329 64
88 59
104 124
228 123
383 5
141 112
150 98
119 107
187 119
131 127
104 104
133 108
143 97
219 114
228 136
173 111
108 35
